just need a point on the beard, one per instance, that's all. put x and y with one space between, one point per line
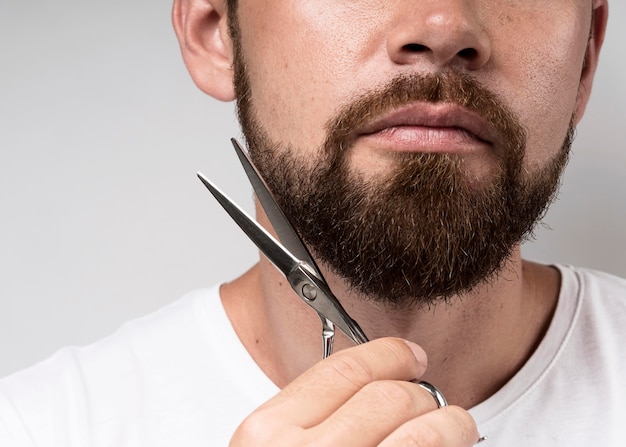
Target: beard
425 231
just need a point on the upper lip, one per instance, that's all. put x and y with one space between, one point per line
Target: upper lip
443 114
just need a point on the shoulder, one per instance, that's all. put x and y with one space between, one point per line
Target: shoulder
99 384
180 323
599 323
593 286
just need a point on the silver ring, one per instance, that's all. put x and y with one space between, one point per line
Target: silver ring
441 401
437 395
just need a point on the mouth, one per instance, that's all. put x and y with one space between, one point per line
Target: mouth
427 127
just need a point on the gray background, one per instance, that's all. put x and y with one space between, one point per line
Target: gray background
101 132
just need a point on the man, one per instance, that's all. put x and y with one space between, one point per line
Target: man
414 145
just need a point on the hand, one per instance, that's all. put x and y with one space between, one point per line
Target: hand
359 397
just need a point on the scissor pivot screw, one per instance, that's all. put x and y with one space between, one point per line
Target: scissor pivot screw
309 292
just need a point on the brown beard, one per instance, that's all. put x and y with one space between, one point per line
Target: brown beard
422 233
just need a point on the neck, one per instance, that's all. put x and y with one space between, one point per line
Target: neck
475 343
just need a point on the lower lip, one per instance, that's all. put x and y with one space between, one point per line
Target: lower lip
452 140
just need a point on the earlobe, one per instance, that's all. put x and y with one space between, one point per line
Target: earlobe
202 30
596 38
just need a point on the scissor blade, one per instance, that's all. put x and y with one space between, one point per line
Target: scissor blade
286 233
275 252
296 272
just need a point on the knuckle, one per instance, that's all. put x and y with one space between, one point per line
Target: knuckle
397 394
352 370
446 426
464 423
421 436
256 429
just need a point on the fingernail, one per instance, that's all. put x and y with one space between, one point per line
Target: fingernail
418 352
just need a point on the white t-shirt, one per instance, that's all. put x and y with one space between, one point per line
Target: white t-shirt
180 377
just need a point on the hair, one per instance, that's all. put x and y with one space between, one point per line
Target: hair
233 28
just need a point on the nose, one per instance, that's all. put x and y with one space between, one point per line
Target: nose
443 33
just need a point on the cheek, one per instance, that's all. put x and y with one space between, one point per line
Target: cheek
545 74
554 106
299 71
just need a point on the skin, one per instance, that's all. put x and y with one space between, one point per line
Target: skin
538 57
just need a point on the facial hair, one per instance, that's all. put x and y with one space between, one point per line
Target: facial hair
423 232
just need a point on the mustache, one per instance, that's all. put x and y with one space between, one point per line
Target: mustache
446 87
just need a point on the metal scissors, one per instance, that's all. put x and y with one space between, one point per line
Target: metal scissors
293 259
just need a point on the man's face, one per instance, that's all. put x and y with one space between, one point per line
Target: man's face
413 145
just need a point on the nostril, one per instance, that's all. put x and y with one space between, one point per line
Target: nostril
415 47
468 53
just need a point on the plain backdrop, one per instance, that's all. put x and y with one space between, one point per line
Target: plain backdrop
102 218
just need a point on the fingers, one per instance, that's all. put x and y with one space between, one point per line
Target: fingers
323 389
446 427
360 397
373 413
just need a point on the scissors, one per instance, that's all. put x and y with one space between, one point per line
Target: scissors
293 259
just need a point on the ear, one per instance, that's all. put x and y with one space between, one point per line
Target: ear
202 30
598 29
